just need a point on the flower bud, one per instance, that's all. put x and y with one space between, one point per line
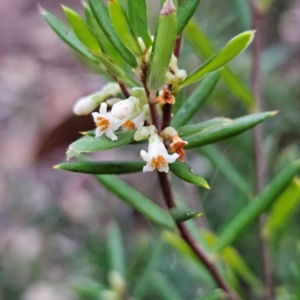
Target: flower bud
86 105
142 133
117 283
124 108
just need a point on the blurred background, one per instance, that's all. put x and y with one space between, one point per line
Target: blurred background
54 224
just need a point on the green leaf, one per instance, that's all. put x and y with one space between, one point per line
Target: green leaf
135 199
225 167
68 36
81 30
94 144
145 277
235 261
203 126
232 49
283 208
185 12
113 69
242 13
102 167
259 204
163 46
101 14
105 44
219 133
178 243
197 98
137 13
205 49
182 214
184 172
122 27
165 287
116 250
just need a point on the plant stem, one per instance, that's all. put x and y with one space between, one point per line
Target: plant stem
124 89
152 105
167 109
260 166
188 238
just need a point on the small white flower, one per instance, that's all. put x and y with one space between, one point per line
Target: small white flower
86 105
138 121
126 108
157 156
106 123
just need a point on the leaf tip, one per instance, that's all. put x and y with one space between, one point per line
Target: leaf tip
42 11
168 8
274 113
56 167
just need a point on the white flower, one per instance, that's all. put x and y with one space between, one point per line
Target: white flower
138 121
106 123
157 156
86 105
126 108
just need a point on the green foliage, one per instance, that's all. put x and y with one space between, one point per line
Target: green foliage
103 167
260 204
219 133
136 200
232 49
102 17
164 41
108 39
183 171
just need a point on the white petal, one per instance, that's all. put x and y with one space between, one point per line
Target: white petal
103 108
148 167
98 132
171 158
145 156
95 116
110 134
164 169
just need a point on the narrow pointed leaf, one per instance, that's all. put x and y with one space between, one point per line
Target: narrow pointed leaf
116 250
203 126
135 199
197 98
165 287
225 167
102 17
182 214
184 172
81 30
68 36
185 12
283 208
145 278
204 48
235 261
106 46
163 46
113 69
232 49
137 13
123 29
102 167
88 144
260 204
219 133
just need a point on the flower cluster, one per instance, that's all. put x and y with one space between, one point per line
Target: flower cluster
133 114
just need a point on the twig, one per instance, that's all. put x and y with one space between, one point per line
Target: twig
188 238
152 105
260 166
124 89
